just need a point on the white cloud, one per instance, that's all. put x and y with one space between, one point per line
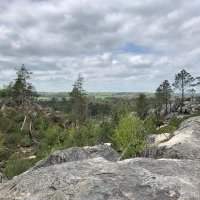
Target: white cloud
59 39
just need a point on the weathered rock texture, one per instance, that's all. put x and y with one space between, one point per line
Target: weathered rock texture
94 174
77 154
185 144
99 179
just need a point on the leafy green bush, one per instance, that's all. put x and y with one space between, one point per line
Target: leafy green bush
130 136
150 125
166 129
52 136
172 126
4 154
175 122
16 165
84 135
105 132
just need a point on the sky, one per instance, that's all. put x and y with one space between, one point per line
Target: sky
116 45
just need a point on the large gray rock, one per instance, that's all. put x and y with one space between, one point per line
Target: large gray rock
77 154
99 179
185 144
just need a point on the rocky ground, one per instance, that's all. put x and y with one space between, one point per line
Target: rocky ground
94 173
185 143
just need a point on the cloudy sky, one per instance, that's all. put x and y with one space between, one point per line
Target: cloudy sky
117 45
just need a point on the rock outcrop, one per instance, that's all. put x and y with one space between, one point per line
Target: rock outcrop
78 154
99 179
185 144
93 173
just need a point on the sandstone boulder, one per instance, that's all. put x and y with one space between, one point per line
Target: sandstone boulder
78 153
100 179
185 144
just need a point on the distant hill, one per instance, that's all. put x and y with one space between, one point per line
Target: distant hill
98 95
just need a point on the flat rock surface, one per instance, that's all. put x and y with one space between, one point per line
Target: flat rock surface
99 179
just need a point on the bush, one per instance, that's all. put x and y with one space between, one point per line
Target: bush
3 151
166 129
16 165
172 126
105 133
51 139
85 135
150 125
130 136
175 122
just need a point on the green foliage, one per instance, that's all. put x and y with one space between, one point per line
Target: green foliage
50 140
96 109
3 151
172 126
52 136
6 91
84 135
163 95
175 122
119 110
150 124
183 80
22 91
130 136
105 132
78 102
17 165
142 106
166 129
110 120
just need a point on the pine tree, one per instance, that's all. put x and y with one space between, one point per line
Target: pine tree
164 94
22 90
142 106
183 80
78 100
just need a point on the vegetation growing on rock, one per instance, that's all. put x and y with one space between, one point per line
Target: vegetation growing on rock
31 128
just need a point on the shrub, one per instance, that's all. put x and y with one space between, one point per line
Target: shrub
3 151
172 126
16 165
175 122
105 132
50 140
130 136
150 125
85 135
166 129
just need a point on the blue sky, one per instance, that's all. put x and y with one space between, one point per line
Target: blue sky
116 45
135 49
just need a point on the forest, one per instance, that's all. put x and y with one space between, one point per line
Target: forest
31 127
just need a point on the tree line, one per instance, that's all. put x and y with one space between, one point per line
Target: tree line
27 123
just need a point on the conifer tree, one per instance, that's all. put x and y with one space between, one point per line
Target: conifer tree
78 100
183 80
163 94
22 90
